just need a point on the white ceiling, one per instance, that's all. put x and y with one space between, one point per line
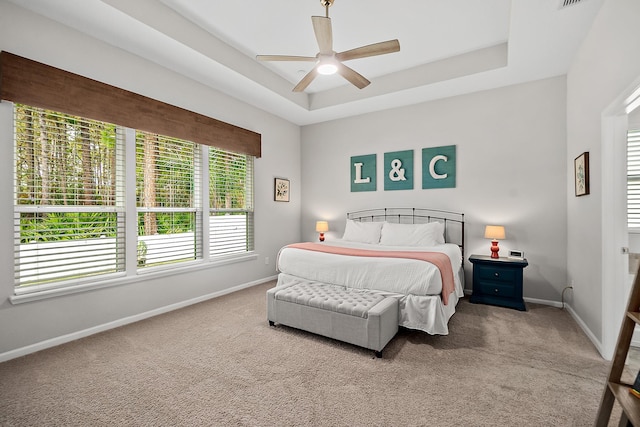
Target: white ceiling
448 47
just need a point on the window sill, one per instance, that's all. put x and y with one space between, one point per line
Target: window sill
141 275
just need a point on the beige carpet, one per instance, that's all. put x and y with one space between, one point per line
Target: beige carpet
219 363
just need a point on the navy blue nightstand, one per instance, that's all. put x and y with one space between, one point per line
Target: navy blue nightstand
498 281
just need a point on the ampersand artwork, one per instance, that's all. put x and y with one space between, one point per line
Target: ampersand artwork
397 172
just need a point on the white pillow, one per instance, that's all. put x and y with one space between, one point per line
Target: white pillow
363 232
430 234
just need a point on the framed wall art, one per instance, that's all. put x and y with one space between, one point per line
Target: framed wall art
581 174
439 167
363 173
281 190
398 170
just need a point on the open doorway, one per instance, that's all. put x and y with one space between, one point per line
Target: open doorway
616 279
633 200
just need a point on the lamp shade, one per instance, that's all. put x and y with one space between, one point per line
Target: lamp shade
322 226
494 232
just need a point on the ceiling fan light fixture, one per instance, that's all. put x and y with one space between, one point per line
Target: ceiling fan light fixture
327 68
327 65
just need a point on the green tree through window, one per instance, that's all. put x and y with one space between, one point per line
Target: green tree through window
70 209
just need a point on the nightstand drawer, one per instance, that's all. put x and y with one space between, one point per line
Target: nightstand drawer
497 289
496 274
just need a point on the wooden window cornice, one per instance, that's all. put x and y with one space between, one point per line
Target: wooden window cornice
32 83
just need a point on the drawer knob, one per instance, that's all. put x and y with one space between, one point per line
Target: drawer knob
495 290
496 274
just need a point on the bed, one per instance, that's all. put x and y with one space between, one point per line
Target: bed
412 254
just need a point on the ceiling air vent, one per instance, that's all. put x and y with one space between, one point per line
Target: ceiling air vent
566 3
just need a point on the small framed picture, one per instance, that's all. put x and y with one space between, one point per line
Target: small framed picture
581 171
281 190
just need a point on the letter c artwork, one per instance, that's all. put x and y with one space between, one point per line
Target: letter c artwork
432 167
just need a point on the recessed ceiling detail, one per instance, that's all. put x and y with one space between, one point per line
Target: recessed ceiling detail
449 48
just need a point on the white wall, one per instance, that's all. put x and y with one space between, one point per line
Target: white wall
605 66
276 224
511 170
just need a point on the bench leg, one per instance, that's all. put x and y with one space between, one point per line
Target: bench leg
379 354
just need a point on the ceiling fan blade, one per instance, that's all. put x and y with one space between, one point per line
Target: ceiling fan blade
353 76
285 58
324 35
306 80
381 48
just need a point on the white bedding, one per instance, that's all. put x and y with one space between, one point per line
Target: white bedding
417 284
398 275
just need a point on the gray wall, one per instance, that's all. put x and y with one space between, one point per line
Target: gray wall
515 150
66 317
605 66
511 170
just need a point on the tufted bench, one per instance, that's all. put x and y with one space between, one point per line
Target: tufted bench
351 315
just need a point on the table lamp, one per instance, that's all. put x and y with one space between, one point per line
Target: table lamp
495 233
322 227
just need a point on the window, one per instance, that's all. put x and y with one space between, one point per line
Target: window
70 206
231 202
633 180
69 218
168 200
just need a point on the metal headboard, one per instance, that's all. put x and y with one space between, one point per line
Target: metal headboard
453 221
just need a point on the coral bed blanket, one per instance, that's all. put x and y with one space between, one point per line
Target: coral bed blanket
440 260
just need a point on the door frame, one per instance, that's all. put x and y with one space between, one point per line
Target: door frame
615 235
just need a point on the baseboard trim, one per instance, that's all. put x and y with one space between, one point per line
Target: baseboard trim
551 303
579 321
595 341
32 348
527 299
52 342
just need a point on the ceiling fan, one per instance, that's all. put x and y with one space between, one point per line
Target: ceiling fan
330 62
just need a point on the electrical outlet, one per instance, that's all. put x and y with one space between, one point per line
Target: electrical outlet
266 260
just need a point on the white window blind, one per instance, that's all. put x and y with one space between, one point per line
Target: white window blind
633 179
231 202
68 206
69 201
168 199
